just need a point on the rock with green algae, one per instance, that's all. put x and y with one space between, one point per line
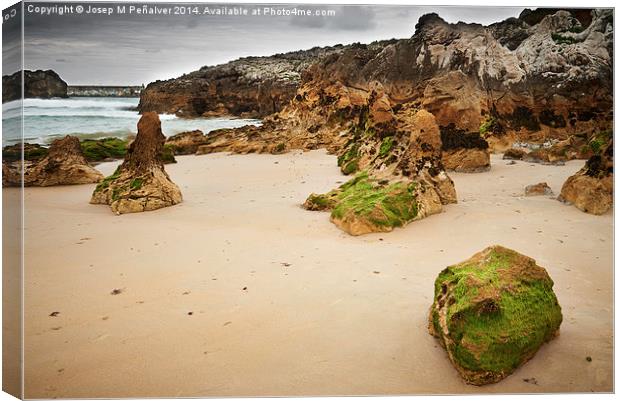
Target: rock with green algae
366 204
493 312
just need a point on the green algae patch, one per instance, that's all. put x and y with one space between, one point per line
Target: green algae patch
488 125
365 204
96 150
167 154
279 148
600 140
350 167
136 184
493 312
386 146
348 161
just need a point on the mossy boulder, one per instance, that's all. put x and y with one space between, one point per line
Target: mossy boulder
493 312
366 204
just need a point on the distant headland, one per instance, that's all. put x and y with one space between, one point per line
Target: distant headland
47 84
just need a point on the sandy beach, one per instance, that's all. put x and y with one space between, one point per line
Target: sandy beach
240 291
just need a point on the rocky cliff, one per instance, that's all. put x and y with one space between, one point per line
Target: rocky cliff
248 87
503 82
37 84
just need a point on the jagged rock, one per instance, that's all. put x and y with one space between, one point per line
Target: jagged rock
464 75
493 312
401 178
538 189
252 139
63 164
186 143
533 17
514 154
547 75
39 84
591 188
140 183
248 87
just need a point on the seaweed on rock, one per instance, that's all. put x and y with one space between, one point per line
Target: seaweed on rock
493 312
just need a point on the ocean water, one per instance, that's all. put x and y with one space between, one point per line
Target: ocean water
95 118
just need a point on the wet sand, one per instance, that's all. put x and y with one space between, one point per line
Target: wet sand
239 291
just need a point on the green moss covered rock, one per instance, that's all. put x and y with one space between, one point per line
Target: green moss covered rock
366 204
31 152
492 313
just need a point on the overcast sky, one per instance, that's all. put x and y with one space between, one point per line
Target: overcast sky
123 49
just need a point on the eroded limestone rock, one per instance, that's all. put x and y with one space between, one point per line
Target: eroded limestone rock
140 183
591 188
63 164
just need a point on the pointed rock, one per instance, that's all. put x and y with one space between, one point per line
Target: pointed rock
140 184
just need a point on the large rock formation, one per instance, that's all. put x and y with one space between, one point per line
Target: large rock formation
37 84
591 188
63 164
140 183
248 87
507 81
365 102
492 313
401 179
379 106
554 80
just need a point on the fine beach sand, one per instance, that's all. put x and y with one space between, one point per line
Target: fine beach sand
282 302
